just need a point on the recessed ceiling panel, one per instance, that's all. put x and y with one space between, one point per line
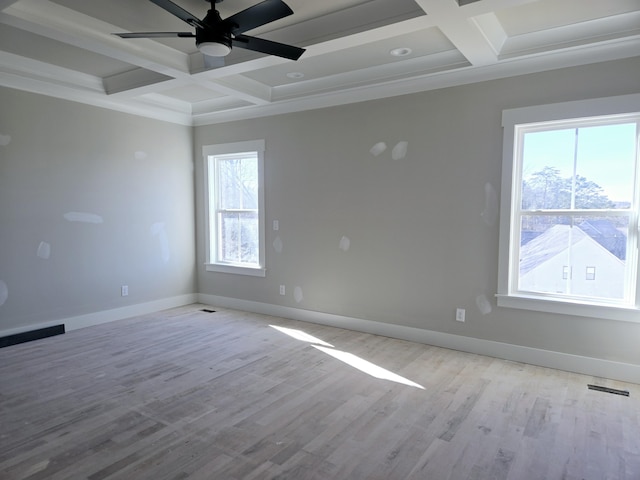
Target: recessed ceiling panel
302 9
546 14
137 15
421 44
346 18
141 16
23 43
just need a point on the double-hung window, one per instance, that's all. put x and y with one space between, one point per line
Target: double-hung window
235 207
570 208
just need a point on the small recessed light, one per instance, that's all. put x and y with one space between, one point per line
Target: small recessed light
400 52
295 75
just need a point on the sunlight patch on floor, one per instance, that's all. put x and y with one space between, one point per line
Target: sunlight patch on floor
300 335
346 357
367 367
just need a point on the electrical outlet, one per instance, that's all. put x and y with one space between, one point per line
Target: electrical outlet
276 225
282 289
124 290
460 314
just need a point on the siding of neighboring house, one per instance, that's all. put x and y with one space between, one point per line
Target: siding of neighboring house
543 262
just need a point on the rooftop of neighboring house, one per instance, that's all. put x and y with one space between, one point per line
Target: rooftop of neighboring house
538 248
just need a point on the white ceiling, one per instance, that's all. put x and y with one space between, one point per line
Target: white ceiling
65 48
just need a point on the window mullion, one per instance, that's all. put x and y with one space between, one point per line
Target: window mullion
574 179
238 210
581 212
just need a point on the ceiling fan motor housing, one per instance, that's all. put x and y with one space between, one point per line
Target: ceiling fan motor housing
211 36
215 39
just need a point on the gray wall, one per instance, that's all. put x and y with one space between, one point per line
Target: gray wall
423 239
422 236
61 158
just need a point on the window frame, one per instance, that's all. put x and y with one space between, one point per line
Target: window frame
212 234
507 295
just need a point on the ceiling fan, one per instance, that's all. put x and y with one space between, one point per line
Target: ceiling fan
215 37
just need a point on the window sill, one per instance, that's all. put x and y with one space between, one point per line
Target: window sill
567 307
251 271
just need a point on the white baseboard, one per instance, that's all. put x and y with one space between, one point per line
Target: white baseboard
545 358
104 316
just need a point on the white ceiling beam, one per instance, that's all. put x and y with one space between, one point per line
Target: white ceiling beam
242 87
486 6
216 104
491 28
49 74
169 103
141 82
460 30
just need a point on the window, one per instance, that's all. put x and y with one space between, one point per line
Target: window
570 204
235 212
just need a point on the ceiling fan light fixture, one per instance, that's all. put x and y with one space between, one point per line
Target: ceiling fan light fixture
213 43
214 49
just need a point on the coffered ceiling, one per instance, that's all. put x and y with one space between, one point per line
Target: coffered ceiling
66 49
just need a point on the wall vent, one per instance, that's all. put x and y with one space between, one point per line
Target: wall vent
615 391
32 335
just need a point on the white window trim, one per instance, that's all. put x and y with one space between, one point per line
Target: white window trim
545 113
222 149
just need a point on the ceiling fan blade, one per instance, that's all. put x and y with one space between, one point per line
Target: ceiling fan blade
213 62
267 46
179 12
154 34
264 12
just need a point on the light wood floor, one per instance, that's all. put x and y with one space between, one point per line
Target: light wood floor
189 394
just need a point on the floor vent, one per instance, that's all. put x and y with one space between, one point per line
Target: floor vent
206 310
609 390
32 335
